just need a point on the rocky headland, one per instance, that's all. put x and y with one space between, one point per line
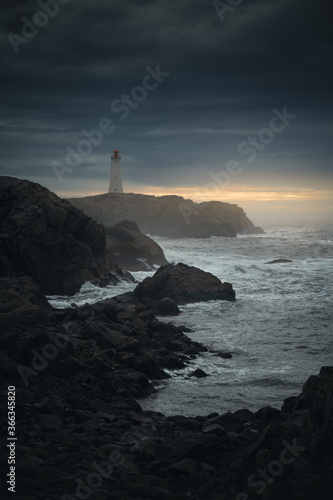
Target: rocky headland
170 216
77 375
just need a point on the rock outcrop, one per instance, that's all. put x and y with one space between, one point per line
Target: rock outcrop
48 239
81 432
22 301
170 216
116 335
75 373
184 284
131 249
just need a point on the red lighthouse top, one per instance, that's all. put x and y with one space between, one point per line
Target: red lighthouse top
116 153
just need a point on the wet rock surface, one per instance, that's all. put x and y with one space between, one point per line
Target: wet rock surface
184 284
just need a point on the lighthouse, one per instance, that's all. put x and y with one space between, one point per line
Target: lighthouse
116 183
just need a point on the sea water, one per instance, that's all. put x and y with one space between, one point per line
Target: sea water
279 330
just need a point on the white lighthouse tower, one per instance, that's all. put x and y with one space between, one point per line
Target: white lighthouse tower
116 183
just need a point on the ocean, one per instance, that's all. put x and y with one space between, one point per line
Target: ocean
279 330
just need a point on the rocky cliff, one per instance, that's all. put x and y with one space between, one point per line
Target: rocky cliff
48 239
131 249
60 247
170 216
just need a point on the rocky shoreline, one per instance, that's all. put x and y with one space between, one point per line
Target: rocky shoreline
72 378
81 433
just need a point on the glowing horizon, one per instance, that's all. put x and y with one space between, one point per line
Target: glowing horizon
230 195
264 204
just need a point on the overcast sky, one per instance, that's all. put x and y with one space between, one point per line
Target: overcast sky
187 85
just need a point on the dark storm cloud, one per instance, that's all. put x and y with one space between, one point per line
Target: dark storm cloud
225 78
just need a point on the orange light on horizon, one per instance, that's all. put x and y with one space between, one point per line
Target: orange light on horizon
240 194
230 195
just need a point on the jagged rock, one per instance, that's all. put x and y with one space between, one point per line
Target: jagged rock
94 342
162 307
229 421
170 361
198 373
317 427
170 216
48 239
22 302
131 249
114 278
149 366
184 284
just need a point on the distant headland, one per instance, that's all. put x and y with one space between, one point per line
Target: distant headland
169 216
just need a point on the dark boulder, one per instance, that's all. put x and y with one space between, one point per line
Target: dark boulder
198 373
230 422
149 366
184 284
